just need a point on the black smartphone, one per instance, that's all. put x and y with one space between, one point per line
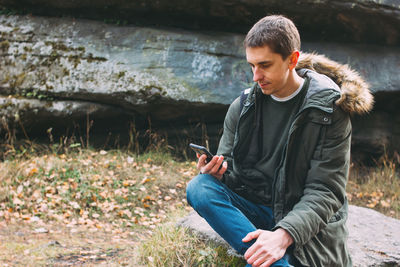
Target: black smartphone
202 150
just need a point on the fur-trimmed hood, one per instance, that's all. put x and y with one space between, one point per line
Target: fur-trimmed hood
355 96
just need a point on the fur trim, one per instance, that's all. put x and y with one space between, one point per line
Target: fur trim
355 94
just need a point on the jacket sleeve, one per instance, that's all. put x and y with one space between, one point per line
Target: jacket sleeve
228 136
325 184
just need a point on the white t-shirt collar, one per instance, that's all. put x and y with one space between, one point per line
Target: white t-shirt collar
287 98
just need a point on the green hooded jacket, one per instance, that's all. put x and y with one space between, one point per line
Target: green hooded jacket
309 186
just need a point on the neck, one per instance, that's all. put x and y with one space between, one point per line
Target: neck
292 84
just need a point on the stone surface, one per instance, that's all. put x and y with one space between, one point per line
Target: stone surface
374 239
132 66
176 77
376 21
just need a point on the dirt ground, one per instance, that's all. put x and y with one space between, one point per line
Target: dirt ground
30 244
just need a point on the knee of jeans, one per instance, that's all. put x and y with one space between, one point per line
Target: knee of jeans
199 190
193 188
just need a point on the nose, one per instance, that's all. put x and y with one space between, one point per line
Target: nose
257 75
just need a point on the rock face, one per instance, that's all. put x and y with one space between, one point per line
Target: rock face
374 239
376 21
175 77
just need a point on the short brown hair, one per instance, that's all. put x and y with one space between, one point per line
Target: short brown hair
276 31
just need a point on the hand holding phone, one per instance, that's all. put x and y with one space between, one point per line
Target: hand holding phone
202 150
213 165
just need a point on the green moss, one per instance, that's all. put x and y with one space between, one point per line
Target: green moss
66 72
17 80
45 62
90 58
4 45
57 46
6 78
27 49
36 94
54 56
121 74
6 105
31 67
75 60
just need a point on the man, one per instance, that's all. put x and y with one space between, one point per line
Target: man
276 192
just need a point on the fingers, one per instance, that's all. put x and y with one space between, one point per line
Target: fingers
261 260
201 162
264 258
211 167
268 262
217 165
251 236
223 169
206 167
264 251
253 254
259 256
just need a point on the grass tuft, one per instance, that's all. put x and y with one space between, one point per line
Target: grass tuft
172 246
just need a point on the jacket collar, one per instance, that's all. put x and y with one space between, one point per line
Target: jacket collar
321 93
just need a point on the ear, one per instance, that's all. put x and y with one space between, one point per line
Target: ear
293 59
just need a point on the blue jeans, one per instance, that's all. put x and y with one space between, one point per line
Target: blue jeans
229 214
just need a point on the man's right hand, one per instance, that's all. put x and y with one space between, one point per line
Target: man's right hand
213 167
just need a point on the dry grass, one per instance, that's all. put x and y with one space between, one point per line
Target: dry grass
171 246
89 187
100 209
117 209
376 187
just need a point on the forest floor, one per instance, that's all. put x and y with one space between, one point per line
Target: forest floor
114 208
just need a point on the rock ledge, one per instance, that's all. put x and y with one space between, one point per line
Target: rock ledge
374 239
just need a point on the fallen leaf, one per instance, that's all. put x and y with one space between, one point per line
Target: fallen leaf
33 171
145 180
20 189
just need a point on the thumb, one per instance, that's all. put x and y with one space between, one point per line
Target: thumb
251 236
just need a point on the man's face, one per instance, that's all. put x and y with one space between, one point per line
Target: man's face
270 71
